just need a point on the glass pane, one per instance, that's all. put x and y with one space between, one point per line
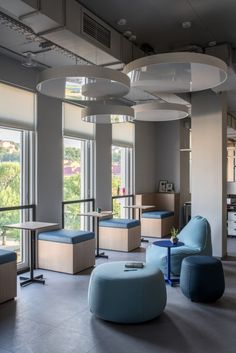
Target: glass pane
119 209
11 239
72 169
10 188
71 216
117 187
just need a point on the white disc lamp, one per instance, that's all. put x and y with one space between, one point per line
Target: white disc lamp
158 111
107 114
176 72
83 82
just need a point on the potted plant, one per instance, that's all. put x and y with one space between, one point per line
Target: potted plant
174 235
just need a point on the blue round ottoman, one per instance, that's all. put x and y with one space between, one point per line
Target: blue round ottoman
126 296
202 278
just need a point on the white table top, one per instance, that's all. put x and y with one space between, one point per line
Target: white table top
97 214
31 225
141 207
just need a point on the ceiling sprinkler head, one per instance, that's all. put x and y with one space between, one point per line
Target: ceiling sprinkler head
28 60
122 22
212 43
133 37
127 34
186 24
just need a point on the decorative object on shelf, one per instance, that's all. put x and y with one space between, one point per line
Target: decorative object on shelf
105 114
160 111
169 187
162 185
176 72
99 210
174 235
83 82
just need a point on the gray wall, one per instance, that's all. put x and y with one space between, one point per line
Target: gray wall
168 152
103 166
209 164
49 178
145 157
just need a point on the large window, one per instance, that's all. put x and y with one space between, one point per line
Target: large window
122 169
78 168
17 122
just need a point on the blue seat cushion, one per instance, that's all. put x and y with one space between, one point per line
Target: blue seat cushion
7 256
157 214
66 236
119 223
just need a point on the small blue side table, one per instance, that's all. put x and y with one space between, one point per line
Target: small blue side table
168 244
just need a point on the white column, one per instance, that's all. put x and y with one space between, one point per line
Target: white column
209 121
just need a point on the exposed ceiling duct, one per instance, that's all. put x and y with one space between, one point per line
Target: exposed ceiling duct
74 28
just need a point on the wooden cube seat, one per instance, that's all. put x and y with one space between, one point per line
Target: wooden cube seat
157 223
68 251
7 275
119 234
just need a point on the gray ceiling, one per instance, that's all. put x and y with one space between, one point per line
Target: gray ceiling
158 22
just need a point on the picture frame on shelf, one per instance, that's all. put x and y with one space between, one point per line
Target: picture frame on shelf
162 185
169 187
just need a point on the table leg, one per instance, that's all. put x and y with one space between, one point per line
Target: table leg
99 254
139 216
38 279
168 278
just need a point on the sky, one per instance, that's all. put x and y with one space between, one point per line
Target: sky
9 135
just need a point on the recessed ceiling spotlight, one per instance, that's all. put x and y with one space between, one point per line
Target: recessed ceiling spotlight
133 37
186 24
122 22
127 34
212 43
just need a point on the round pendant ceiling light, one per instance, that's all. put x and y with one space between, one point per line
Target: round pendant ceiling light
156 111
83 82
107 114
176 72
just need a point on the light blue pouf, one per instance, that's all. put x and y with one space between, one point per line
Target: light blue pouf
126 296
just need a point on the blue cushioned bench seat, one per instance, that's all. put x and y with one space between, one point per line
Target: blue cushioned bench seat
66 236
119 223
157 214
66 250
119 234
7 256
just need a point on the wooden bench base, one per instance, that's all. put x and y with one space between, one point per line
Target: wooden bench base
156 227
7 281
68 258
119 239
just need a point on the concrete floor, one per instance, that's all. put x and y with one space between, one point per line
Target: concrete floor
56 318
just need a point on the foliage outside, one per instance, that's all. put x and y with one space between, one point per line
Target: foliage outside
10 182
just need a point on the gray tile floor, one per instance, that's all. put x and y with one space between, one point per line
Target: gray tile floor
56 318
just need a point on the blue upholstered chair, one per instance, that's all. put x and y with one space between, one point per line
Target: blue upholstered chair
196 236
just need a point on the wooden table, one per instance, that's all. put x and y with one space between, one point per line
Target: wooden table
140 208
97 216
32 227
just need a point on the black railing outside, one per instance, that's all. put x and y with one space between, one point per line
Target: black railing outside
75 212
117 208
11 239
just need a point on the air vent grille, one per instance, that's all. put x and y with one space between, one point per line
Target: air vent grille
96 31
